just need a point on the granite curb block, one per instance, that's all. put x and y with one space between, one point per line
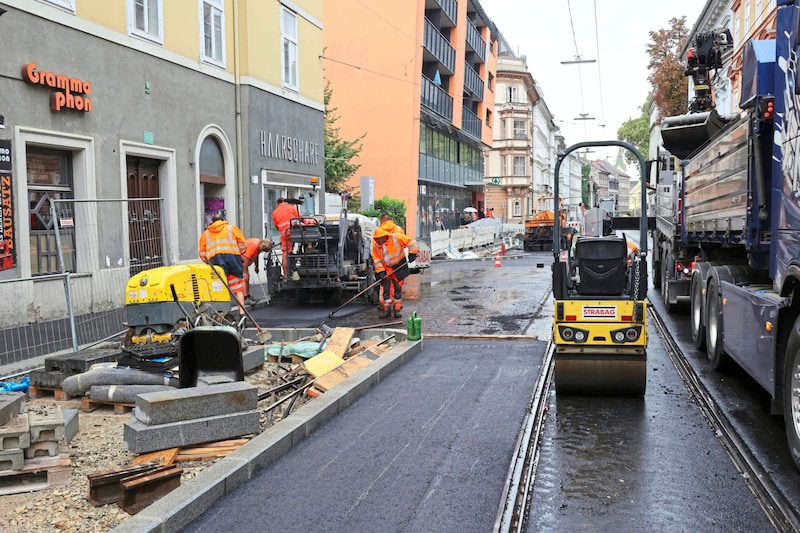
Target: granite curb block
180 507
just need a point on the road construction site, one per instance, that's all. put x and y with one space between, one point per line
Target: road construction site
425 435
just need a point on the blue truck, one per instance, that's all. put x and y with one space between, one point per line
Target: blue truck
736 215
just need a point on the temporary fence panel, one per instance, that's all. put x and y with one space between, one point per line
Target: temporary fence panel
76 295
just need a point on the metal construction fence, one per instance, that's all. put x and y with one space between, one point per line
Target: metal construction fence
472 237
82 253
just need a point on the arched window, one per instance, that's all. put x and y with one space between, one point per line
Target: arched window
212 166
517 208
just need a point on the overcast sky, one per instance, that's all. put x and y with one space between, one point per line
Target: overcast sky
610 90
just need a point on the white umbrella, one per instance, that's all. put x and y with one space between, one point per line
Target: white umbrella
470 210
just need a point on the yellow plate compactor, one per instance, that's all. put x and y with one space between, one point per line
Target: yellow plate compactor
158 299
600 314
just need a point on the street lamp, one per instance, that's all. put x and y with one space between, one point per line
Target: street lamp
578 60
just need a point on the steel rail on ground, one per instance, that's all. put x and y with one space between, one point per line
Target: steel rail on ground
775 505
512 514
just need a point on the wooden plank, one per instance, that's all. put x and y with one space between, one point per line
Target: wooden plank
322 363
329 380
106 487
162 457
339 342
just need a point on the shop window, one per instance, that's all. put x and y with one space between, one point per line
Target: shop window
145 19
212 166
213 45
49 175
289 51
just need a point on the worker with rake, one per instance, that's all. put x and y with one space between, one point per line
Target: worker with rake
391 266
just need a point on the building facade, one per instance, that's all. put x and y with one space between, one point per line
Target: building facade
140 119
425 103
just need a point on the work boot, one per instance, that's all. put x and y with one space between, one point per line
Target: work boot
386 313
397 313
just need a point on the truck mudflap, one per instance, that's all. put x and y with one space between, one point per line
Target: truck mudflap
685 134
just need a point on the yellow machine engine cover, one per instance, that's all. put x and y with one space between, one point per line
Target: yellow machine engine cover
595 323
150 307
192 282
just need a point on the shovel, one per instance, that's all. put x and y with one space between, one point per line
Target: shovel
264 336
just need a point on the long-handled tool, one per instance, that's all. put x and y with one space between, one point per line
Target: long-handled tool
354 298
264 336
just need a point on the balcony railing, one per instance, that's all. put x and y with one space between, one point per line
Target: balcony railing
448 7
470 123
475 40
439 47
473 82
436 99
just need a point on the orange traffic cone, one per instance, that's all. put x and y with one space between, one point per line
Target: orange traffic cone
497 260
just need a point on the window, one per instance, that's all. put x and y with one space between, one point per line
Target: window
49 174
519 165
490 82
502 129
746 18
517 209
144 18
503 169
511 94
488 118
519 130
213 33
289 52
66 4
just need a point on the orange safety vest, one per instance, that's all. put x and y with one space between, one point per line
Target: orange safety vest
223 246
389 254
283 215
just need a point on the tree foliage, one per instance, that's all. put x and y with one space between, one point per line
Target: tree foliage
636 131
395 208
339 153
666 71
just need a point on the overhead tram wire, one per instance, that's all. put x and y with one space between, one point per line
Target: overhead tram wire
599 70
577 55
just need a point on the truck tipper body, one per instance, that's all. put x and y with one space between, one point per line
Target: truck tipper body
732 218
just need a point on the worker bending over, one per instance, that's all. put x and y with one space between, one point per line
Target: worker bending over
282 217
253 249
389 258
222 244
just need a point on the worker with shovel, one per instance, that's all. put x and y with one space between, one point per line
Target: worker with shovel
222 244
389 258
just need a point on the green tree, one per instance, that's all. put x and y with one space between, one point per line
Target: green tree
666 71
586 170
339 152
395 208
636 131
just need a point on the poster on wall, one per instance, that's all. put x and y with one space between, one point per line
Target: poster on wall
212 206
7 248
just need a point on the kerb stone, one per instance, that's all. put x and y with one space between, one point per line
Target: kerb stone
12 459
46 423
165 407
16 433
11 404
143 438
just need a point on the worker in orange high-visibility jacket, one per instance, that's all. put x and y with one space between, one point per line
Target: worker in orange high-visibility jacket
389 259
222 244
388 225
282 217
250 256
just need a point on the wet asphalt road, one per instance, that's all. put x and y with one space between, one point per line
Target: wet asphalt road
606 464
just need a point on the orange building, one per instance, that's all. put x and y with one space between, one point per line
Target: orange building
418 80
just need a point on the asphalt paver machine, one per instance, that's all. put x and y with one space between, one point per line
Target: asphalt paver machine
600 315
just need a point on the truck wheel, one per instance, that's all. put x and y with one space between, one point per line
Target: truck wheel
791 393
698 325
657 269
713 325
669 261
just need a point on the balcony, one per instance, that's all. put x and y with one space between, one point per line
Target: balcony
437 48
449 9
471 124
476 42
473 82
436 99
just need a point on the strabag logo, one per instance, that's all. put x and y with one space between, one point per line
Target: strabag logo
595 312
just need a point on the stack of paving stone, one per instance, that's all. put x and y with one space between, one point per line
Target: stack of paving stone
33 444
59 367
216 409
